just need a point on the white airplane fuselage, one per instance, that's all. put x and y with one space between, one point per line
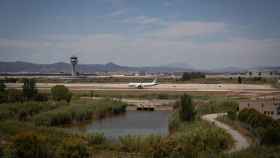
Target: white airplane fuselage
141 85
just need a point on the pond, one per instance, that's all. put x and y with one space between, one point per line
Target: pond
131 122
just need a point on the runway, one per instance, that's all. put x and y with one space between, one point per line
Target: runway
162 87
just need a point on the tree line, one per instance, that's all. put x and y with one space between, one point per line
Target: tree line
29 92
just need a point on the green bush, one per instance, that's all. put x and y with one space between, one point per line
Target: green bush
15 95
259 151
79 112
218 106
73 147
152 145
163 96
2 86
232 115
256 119
29 89
192 75
47 144
96 138
26 110
189 140
186 108
239 80
174 122
61 92
263 126
28 144
203 137
271 136
41 97
3 97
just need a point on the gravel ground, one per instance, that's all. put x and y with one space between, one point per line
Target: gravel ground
240 141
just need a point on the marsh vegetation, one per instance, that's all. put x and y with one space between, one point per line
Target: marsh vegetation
40 127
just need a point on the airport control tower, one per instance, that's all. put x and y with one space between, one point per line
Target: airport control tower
74 62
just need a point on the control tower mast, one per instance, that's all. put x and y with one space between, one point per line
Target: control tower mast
74 62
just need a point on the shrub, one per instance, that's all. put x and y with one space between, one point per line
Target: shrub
15 95
152 145
3 97
256 119
46 143
239 80
263 126
28 144
232 115
11 80
24 111
186 108
79 113
192 75
41 97
73 147
271 136
61 92
218 106
174 122
29 89
188 141
2 86
96 138
163 96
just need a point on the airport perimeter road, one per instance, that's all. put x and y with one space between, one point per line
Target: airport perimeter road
161 87
240 141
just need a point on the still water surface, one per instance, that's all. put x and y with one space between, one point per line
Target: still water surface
132 122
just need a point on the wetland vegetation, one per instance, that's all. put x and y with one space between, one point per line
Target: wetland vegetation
40 127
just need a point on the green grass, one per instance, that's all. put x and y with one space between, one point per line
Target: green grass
189 140
25 111
217 105
256 152
79 111
40 132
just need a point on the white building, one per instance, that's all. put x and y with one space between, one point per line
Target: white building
269 108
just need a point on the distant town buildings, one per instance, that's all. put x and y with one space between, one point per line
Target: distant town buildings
248 74
264 74
269 107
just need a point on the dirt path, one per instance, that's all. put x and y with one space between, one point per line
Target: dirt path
240 141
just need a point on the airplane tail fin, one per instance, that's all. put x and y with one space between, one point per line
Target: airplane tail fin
155 80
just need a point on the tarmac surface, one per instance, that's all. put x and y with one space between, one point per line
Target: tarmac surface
160 87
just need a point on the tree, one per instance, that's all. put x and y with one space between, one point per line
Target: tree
250 73
186 76
29 89
271 136
2 86
3 93
192 75
186 109
239 80
60 92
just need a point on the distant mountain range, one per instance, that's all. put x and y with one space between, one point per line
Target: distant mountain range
25 67
61 67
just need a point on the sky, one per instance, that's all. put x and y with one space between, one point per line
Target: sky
202 34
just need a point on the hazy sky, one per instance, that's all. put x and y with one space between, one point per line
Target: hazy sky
202 33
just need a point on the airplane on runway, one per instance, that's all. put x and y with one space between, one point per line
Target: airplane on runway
141 85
